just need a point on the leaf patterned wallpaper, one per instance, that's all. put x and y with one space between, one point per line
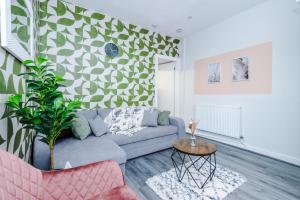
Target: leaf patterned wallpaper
20 22
73 38
12 138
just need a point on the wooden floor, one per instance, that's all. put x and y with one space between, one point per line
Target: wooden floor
266 178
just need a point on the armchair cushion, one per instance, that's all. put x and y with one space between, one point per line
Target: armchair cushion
119 193
18 180
83 182
102 180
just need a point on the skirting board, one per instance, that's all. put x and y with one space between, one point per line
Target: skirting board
240 144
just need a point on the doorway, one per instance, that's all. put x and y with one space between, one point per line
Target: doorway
166 83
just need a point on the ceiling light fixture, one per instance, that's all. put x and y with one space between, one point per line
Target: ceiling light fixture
179 30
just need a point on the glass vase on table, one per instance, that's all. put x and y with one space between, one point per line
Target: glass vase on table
192 127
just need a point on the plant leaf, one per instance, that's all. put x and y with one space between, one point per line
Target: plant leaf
1 140
17 140
10 131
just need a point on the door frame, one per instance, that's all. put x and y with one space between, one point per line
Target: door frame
176 80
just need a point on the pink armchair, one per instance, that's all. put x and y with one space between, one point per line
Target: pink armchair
97 181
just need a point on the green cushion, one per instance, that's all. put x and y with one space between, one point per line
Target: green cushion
163 118
81 128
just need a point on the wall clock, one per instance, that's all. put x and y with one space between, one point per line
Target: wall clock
111 50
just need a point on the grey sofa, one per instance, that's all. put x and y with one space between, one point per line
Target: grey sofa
107 147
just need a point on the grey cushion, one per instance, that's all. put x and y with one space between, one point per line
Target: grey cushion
103 112
98 126
144 134
163 118
81 128
150 118
88 114
92 149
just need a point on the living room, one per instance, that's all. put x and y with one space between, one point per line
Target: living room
110 100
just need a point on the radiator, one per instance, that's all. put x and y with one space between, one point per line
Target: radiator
224 120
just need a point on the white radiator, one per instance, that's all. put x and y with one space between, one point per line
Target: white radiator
224 120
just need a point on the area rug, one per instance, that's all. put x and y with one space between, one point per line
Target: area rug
167 186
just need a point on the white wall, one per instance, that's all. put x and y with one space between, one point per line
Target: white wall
271 123
165 83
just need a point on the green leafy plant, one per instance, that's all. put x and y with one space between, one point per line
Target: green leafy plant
43 107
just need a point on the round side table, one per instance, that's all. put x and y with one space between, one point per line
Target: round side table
203 151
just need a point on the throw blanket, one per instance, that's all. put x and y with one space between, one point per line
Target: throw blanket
125 121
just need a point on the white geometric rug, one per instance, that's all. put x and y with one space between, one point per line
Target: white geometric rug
167 186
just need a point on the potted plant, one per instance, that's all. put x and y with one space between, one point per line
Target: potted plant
43 108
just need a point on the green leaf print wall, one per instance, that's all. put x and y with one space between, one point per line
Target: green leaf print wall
12 138
73 38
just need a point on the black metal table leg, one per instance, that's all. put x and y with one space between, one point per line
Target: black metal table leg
181 169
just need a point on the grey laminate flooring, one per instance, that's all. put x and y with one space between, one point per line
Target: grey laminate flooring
266 178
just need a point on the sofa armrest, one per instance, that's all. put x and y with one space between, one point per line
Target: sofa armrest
85 181
179 123
41 154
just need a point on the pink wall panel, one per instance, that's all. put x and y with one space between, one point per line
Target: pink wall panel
260 72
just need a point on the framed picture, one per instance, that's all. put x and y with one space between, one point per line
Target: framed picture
214 73
240 69
17 28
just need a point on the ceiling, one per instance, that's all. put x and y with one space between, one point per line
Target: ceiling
170 15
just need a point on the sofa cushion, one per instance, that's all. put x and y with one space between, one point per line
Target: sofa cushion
145 147
98 126
163 118
103 112
150 118
81 128
90 150
144 134
88 114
